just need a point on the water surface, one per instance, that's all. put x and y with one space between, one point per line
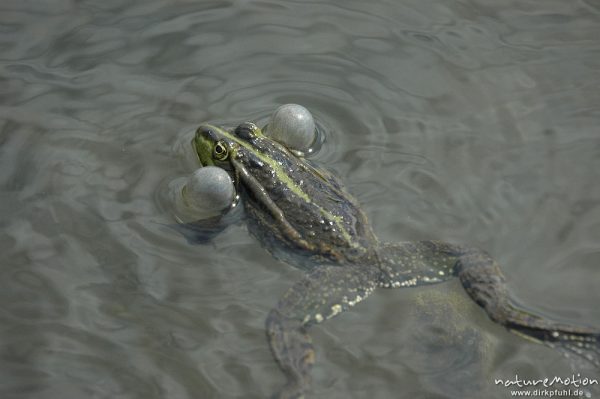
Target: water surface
470 121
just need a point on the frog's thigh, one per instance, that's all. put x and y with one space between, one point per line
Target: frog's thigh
323 294
408 264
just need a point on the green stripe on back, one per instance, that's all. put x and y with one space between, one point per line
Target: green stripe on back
286 179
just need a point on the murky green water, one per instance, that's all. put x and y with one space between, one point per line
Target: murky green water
471 121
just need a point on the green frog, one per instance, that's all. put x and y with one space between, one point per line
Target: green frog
304 216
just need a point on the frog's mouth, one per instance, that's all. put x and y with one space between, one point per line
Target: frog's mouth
202 150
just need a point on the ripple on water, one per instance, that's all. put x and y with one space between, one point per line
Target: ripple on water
471 122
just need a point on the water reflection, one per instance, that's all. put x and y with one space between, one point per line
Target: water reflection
465 121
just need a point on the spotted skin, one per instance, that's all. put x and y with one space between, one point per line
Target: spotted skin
322 294
409 264
304 216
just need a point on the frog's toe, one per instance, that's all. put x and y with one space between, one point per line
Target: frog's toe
586 346
580 341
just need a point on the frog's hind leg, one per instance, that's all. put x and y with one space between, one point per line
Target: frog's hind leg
426 262
321 295
409 264
484 282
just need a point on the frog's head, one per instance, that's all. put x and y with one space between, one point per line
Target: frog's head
213 144
233 149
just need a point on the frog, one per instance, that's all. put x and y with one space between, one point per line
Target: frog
304 216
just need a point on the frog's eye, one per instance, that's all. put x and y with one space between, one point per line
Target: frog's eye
220 151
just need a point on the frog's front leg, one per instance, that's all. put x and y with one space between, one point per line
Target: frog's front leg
426 262
324 293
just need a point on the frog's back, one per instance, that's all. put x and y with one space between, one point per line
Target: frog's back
312 201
